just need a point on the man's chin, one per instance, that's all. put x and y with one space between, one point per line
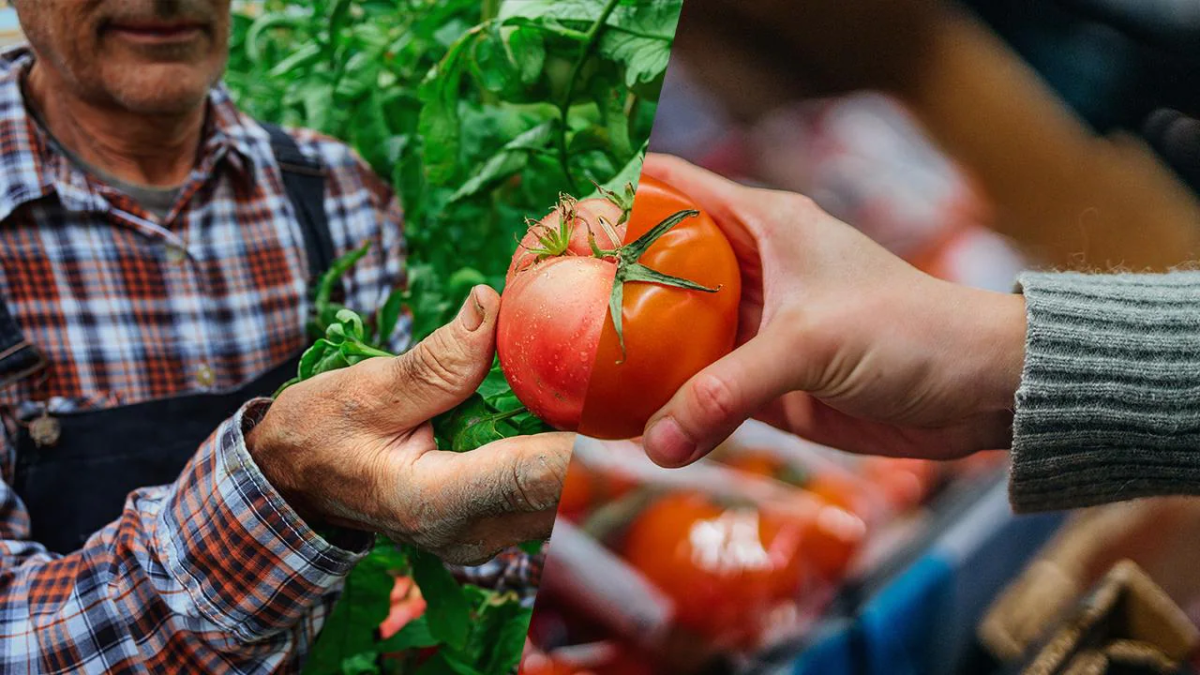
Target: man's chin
161 90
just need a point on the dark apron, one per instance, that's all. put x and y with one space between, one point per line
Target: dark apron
75 470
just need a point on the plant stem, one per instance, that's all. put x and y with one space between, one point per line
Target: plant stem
592 38
367 350
489 10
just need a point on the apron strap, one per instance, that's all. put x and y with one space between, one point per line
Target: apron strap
18 358
304 180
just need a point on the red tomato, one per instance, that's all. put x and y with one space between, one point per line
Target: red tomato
558 345
724 568
549 327
540 664
577 491
836 529
407 604
762 463
904 483
832 537
586 488
670 333
834 487
583 218
626 662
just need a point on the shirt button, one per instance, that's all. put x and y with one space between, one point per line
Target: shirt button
205 376
175 254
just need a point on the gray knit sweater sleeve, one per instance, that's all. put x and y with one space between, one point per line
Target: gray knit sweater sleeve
1109 403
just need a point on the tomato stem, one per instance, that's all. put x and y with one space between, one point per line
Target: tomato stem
630 270
591 39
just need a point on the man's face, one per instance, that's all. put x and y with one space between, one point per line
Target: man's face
145 56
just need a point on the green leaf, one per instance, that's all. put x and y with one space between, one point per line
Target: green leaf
350 628
443 663
388 316
448 614
637 35
532 547
473 424
642 41
305 56
495 385
363 663
628 175
489 61
507 637
414 635
611 100
265 22
439 121
324 309
527 51
509 160
350 324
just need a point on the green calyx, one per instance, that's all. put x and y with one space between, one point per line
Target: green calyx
629 270
555 241
623 199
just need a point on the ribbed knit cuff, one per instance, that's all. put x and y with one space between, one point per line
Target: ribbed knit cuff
1109 403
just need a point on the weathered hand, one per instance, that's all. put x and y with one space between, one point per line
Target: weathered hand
840 341
355 448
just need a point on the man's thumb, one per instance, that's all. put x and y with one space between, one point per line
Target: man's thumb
448 366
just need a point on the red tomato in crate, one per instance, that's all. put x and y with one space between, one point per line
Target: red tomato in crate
837 530
724 568
586 488
904 483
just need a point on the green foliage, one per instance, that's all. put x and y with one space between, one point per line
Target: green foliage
479 113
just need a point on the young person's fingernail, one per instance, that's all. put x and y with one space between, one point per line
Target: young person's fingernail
667 444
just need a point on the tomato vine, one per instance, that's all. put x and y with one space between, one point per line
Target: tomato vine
479 114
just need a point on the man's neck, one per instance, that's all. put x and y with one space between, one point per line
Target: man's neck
152 150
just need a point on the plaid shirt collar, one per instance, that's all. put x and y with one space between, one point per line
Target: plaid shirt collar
33 170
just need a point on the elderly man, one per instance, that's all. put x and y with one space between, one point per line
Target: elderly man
156 253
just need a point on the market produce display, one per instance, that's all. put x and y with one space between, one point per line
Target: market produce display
480 114
739 554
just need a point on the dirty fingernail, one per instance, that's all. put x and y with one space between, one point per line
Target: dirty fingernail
472 313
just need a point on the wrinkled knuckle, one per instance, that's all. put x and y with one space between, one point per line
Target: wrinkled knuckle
535 484
428 365
801 204
467 556
713 398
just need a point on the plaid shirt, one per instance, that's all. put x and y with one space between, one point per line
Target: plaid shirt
214 573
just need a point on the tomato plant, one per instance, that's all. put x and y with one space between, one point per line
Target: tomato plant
725 567
596 339
479 113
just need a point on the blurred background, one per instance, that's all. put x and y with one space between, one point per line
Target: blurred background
975 139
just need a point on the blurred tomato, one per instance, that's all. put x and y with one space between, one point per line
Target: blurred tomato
626 662
904 483
586 488
407 604
834 487
764 463
724 568
832 536
577 493
540 664
609 659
